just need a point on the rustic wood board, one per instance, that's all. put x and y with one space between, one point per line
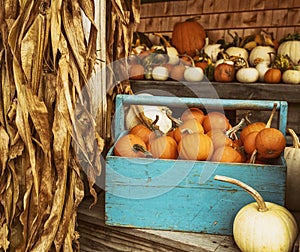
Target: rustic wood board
96 236
278 16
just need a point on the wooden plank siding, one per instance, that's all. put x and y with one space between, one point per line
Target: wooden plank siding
218 16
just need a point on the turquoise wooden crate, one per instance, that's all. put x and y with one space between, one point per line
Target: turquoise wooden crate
182 195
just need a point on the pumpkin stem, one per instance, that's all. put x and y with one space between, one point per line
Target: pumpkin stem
268 125
166 42
190 58
138 147
176 122
296 142
255 194
235 128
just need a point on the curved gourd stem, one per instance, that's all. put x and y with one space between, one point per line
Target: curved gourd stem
166 42
138 147
258 198
296 143
268 125
235 128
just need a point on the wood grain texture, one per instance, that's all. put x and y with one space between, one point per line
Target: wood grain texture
280 17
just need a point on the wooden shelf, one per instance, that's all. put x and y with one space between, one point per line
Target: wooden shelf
232 90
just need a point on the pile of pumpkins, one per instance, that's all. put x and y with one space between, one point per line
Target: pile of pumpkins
203 136
189 56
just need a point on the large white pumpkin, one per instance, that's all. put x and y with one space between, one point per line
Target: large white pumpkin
262 226
262 53
292 49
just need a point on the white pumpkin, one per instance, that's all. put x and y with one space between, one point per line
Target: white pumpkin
193 74
262 226
160 73
237 51
262 53
292 158
247 75
262 68
291 76
292 49
148 114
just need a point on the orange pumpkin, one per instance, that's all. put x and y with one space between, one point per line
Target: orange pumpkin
130 145
192 113
136 72
188 37
270 143
219 138
227 154
177 72
195 146
164 147
188 126
143 132
255 126
273 75
249 142
215 120
224 72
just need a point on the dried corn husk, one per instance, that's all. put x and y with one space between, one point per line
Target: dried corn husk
48 135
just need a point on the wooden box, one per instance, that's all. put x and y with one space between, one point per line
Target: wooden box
182 195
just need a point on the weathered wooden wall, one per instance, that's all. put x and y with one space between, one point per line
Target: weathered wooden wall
218 16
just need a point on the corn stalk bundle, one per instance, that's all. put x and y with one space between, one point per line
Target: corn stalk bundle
47 133
122 18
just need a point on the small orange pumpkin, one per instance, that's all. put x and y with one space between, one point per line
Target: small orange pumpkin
255 126
136 72
188 37
215 120
130 145
270 143
177 72
273 75
191 125
195 146
249 142
227 154
142 131
193 113
164 147
224 72
219 138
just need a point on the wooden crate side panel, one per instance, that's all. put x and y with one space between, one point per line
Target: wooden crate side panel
198 203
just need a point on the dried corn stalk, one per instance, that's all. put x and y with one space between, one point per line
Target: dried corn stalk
48 135
123 16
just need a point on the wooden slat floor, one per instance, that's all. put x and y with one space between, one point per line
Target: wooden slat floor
95 236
